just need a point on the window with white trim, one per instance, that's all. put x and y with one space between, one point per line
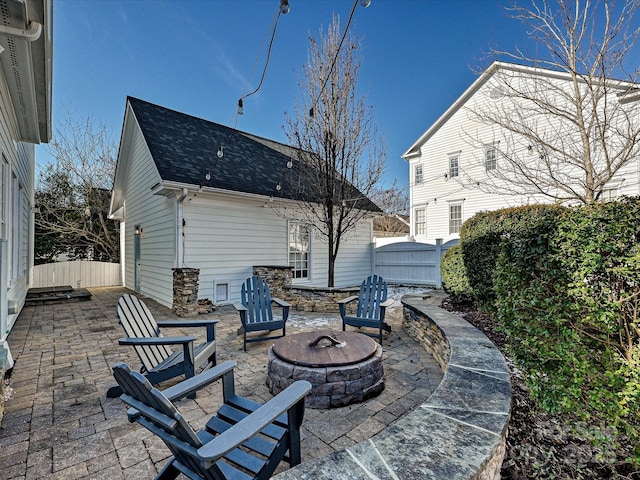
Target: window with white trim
299 250
454 164
609 194
490 158
455 217
420 224
418 177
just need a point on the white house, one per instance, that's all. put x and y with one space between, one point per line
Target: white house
461 164
191 193
25 120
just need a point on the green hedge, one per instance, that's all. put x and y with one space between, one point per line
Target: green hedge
567 288
482 237
454 276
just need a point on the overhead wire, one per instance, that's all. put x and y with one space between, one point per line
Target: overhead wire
273 27
335 58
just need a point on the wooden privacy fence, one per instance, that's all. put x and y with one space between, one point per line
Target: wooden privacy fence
78 274
411 263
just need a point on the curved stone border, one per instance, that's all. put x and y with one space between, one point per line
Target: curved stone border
458 433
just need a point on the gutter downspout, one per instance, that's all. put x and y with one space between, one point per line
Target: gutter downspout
31 34
180 227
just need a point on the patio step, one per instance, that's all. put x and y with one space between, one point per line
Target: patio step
57 294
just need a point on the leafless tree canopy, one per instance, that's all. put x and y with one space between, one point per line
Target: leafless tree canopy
73 194
394 202
564 136
342 156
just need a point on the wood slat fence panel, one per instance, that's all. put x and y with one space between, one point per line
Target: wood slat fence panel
78 274
411 263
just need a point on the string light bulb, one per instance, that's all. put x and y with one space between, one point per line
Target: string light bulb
220 153
278 187
365 3
207 176
240 107
289 163
284 7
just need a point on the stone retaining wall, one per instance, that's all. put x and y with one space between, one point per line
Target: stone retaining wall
301 298
458 433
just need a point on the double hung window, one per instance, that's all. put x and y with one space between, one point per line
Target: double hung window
418 176
299 249
455 218
454 165
420 224
490 158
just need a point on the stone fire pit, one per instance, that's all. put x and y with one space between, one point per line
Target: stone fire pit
343 367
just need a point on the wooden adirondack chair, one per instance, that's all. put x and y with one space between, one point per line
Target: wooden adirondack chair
244 440
159 362
372 304
256 313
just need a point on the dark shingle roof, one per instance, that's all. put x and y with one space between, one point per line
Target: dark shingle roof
184 149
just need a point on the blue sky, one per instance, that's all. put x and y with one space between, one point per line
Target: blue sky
195 56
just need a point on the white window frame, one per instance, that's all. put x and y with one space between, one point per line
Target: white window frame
418 174
420 224
609 194
455 224
490 164
454 170
300 267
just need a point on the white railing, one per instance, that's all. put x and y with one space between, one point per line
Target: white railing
78 274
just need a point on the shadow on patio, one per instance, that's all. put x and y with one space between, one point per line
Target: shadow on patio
58 422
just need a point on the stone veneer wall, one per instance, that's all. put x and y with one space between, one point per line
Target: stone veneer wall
458 433
302 298
276 276
185 291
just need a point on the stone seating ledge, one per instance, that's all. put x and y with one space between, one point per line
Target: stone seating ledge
458 433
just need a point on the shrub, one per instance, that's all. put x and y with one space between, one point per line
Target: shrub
454 276
599 248
567 287
482 238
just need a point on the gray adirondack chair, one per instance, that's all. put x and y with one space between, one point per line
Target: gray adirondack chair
372 305
256 312
244 440
159 362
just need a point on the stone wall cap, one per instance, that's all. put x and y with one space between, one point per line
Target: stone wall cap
279 267
310 288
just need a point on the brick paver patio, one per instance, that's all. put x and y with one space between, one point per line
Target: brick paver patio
58 423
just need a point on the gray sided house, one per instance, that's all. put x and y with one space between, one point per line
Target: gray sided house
25 120
185 202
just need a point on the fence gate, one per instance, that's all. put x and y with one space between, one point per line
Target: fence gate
411 263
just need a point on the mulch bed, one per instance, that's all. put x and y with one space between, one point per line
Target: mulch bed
540 445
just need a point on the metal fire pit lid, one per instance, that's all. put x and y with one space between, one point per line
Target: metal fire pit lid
325 349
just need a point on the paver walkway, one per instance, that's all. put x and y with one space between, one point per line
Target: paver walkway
58 424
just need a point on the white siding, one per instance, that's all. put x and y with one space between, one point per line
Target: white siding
462 135
156 215
21 163
225 236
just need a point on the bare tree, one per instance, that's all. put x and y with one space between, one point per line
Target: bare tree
558 123
73 194
341 154
394 202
